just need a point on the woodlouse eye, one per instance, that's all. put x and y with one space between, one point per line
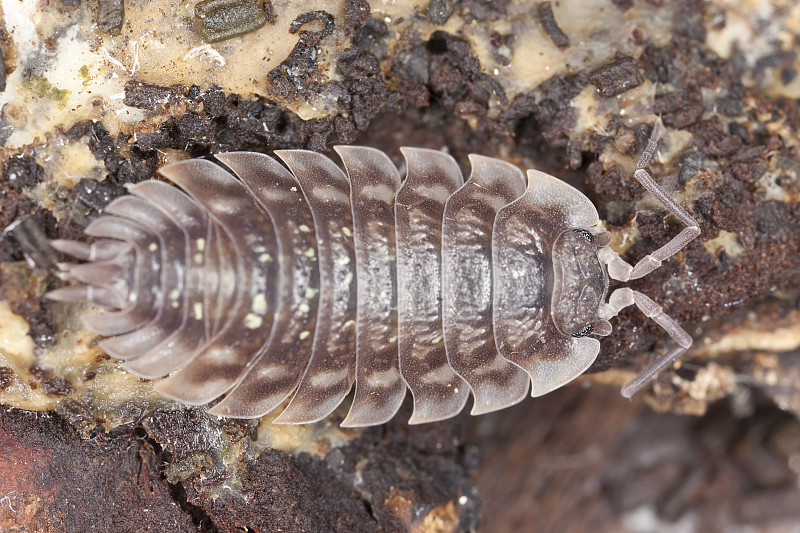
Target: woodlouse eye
585 234
587 329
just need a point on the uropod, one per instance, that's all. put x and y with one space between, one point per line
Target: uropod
262 283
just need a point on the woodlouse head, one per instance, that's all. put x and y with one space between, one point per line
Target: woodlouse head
580 283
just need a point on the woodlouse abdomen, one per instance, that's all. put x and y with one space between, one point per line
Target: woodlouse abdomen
310 281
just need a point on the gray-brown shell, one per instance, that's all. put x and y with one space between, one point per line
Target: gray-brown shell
267 282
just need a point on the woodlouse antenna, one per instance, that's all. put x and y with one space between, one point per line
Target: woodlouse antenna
620 270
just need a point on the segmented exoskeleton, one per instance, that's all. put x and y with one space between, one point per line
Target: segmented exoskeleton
308 280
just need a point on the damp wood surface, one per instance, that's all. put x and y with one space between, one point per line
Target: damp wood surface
91 102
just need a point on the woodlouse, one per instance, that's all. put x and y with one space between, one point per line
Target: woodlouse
445 288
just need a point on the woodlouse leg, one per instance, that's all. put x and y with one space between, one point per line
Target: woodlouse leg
652 261
624 297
